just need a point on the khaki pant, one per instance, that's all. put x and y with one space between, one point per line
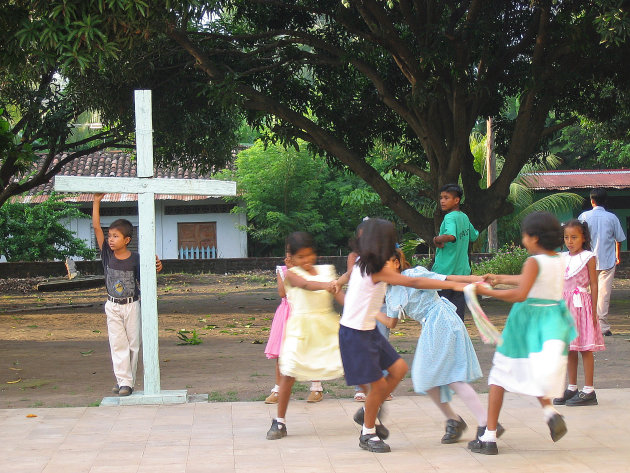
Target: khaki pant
124 330
604 289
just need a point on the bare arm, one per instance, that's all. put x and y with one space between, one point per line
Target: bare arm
393 277
467 279
440 240
345 277
519 293
617 250
389 322
298 281
96 220
592 276
282 292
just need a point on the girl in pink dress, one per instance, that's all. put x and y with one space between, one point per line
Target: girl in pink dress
580 276
276 335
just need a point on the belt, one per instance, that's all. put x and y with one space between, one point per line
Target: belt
122 300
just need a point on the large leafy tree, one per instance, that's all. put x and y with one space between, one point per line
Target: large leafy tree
44 90
344 75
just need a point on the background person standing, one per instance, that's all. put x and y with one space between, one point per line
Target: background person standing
606 236
456 233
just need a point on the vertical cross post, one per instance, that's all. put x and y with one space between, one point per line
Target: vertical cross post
146 244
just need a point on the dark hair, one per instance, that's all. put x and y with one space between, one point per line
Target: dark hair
452 189
586 233
546 227
353 243
298 240
376 246
124 226
402 261
599 196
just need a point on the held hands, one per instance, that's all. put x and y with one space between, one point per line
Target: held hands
158 264
333 287
492 279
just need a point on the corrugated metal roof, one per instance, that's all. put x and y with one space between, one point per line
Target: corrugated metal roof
579 179
114 164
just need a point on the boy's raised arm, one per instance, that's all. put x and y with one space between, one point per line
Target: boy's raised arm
96 220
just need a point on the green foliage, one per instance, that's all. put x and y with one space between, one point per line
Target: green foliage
188 337
509 259
290 190
35 232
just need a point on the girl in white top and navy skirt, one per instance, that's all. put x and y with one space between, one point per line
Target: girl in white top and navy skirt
364 351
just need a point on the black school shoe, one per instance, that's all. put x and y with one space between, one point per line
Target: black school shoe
568 394
454 430
125 391
583 399
116 389
485 448
372 443
277 430
557 427
381 430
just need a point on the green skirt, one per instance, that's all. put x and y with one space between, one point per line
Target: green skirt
533 357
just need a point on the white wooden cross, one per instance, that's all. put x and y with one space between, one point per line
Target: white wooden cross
146 186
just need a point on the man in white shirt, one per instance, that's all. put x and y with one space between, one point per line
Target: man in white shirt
606 236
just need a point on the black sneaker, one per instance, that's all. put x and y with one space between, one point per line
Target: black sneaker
454 430
481 431
116 389
277 430
485 448
583 399
557 427
372 443
381 430
568 394
607 333
125 391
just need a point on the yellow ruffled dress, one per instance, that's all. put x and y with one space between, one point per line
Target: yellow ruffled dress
310 349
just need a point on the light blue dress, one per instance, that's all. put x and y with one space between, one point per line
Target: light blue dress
444 353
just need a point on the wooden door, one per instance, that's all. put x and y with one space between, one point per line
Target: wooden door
193 235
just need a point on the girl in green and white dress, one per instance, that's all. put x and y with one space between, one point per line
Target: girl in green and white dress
533 357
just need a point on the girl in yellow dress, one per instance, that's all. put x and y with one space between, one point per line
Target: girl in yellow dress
310 349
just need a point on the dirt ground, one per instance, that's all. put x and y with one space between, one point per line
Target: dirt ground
54 350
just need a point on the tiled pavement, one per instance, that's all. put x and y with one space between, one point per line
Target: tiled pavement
230 437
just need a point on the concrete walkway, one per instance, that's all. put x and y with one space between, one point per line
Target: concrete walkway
230 437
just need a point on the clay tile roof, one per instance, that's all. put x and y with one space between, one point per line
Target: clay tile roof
579 179
114 164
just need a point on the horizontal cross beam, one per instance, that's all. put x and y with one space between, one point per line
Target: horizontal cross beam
137 185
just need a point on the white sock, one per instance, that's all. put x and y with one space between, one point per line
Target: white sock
281 420
588 389
366 431
549 412
316 386
572 387
489 436
275 389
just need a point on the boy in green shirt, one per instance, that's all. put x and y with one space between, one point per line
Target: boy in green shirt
456 232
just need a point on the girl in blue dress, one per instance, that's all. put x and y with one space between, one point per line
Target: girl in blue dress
445 359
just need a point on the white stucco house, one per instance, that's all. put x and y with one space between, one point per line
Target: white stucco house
183 222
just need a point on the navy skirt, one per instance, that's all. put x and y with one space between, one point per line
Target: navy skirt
365 354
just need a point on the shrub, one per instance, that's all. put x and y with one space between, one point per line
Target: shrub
508 259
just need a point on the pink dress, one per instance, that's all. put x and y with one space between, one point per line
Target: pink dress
276 334
580 303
